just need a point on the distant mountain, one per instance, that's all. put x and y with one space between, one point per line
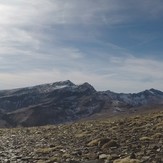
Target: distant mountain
64 101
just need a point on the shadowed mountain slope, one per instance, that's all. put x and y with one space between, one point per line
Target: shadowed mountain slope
64 101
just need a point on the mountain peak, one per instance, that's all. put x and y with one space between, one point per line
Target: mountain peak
86 86
155 91
61 83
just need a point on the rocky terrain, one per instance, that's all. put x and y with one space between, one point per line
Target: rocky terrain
129 139
64 101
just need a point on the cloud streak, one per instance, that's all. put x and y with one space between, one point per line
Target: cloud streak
122 75
49 40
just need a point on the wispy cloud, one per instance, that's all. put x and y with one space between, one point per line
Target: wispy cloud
48 40
120 74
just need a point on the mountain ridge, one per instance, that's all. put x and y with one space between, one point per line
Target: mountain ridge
64 101
69 83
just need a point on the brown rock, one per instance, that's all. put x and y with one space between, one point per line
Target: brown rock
126 160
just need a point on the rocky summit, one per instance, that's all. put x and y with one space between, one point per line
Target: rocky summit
63 102
129 139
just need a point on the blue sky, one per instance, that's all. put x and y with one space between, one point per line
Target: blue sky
113 44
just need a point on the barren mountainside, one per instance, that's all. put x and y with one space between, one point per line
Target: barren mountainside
64 101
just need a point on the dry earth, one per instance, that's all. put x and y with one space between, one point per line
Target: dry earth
135 139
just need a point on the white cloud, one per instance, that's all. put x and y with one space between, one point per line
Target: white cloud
132 75
40 42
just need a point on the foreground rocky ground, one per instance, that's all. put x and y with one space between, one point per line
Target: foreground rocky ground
136 139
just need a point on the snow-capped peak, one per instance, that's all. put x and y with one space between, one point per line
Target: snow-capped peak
63 83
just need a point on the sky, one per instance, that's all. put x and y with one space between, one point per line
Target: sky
114 45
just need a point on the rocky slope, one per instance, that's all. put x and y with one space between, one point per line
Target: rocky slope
135 139
64 101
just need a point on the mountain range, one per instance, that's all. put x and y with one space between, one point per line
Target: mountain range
63 101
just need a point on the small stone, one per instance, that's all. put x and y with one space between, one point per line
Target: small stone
26 158
77 153
63 150
103 156
74 161
126 160
103 141
114 156
93 143
132 156
93 161
6 161
145 158
155 147
111 144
